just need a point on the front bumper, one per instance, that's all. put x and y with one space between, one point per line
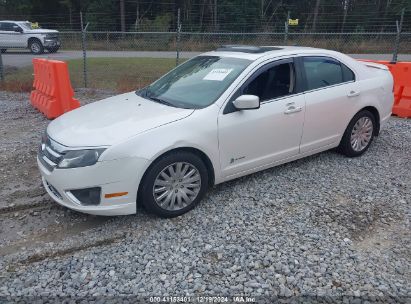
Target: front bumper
121 175
53 43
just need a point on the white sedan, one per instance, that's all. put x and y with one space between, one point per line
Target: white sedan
219 116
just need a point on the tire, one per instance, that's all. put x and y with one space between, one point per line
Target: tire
169 200
3 50
359 134
36 47
53 50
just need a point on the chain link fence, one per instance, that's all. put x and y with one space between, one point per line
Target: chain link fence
152 42
351 43
123 61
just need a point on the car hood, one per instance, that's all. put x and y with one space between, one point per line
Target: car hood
112 120
40 31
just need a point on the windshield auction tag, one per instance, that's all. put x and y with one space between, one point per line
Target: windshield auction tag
217 74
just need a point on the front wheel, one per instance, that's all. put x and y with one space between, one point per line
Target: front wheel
359 134
174 184
36 47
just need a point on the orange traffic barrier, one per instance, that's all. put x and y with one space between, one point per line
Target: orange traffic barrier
401 72
52 94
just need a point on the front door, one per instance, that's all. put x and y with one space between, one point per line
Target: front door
249 139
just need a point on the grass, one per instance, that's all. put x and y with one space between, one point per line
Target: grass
118 74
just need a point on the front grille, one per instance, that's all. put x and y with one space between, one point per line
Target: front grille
52 36
53 190
50 153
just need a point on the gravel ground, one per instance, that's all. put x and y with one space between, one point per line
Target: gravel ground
326 228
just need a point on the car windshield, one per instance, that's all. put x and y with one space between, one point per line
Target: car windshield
196 83
26 25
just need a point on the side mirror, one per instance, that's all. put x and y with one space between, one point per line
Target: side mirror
17 29
247 102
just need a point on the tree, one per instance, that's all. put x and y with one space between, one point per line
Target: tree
345 4
122 16
316 8
69 5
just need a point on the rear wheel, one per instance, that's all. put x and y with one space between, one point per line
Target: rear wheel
36 47
358 135
174 184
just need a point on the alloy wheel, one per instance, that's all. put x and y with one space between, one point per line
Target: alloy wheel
35 47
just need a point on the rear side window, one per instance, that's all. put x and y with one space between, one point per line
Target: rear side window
324 71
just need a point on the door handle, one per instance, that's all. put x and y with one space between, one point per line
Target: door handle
293 109
353 93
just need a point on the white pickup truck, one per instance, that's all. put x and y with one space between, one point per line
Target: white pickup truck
20 34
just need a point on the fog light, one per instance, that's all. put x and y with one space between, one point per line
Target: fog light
88 196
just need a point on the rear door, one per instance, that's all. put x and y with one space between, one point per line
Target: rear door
330 94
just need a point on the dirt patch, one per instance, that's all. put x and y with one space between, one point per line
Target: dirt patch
24 235
29 218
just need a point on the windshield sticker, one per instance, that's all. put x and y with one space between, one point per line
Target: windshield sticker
218 74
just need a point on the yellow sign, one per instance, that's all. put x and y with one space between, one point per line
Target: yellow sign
35 25
292 21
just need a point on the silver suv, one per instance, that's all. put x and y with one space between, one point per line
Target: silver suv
20 34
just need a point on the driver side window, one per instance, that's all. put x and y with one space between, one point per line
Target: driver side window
277 81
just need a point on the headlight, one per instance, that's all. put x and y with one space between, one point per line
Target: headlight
80 158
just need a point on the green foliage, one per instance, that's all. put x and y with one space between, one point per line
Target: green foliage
105 9
16 6
161 23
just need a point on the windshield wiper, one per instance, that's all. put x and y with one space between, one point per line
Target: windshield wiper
159 100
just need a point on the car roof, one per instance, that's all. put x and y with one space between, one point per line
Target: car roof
256 52
14 21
